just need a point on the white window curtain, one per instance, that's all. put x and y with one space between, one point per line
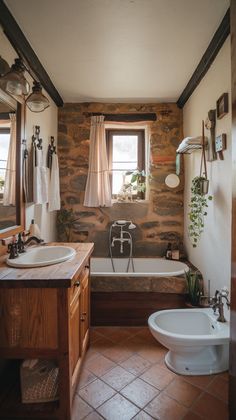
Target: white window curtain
98 189
9 194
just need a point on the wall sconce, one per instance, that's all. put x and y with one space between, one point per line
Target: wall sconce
36 101
4 66
14 81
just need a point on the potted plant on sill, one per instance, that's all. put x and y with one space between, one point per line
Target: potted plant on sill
138 183
194 286
199 199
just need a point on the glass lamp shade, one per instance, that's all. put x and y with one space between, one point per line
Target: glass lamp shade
14 81
4 66
36 101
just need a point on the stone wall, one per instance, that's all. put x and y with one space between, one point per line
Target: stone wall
159 220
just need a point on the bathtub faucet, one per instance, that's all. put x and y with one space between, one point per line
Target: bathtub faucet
216 302
121 240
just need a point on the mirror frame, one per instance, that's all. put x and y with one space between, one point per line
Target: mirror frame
20 206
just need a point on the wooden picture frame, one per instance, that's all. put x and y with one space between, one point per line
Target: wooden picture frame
222 106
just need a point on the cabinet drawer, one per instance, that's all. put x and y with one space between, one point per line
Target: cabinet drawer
75 288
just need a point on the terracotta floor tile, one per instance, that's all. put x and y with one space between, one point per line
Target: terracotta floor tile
80 408
139 392
117 353
86 377
219 388
100 365
192 416
201 381
93 416
135 364
119 335
96 393
153 353
118 378
224 375
158 377
102 344
210 407
165 408
146 335
182 391
142 416
137 340
94 336
118 408
91 354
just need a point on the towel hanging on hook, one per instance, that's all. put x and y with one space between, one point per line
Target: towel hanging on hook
40 169
51 150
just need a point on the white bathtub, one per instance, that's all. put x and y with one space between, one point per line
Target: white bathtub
151 267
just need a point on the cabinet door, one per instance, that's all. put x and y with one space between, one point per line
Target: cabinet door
85 309
75 333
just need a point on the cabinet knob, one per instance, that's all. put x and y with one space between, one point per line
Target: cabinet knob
77 283
87 266
84 313
82 319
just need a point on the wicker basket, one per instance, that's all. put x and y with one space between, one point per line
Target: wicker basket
39 381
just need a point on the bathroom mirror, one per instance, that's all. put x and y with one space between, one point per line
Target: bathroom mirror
11 203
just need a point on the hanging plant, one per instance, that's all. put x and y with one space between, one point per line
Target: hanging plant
199 199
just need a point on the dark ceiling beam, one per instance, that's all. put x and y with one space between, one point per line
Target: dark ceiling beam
26 52
207 59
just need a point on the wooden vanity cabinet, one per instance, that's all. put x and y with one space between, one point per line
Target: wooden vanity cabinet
48 323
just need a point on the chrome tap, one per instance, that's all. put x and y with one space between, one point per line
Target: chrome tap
217 303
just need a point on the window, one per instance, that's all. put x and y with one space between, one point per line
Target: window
4 148
126 157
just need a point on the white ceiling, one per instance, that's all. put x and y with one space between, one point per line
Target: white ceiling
119 50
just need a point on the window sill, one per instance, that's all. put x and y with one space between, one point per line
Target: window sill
134 201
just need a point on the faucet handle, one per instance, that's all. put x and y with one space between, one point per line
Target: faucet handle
224 291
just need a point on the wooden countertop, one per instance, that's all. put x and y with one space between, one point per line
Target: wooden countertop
57 275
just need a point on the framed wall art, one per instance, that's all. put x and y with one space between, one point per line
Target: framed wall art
222 106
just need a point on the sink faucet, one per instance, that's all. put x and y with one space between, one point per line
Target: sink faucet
33 239
216 302
17 246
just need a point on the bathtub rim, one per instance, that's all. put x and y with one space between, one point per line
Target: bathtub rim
176 273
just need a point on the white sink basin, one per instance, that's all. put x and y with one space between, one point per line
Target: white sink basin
41 256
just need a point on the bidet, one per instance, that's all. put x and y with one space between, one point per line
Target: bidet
197 343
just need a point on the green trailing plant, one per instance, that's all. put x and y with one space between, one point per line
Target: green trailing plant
65 222
194 287
198 208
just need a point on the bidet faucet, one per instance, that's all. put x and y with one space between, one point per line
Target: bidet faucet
216 302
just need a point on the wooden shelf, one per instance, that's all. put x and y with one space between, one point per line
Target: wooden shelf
10 398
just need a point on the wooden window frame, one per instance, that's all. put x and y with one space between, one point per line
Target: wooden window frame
140 133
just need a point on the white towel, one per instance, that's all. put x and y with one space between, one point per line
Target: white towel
190 143
54 186
40 178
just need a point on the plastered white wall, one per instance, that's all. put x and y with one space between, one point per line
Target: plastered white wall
47 120
213 253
